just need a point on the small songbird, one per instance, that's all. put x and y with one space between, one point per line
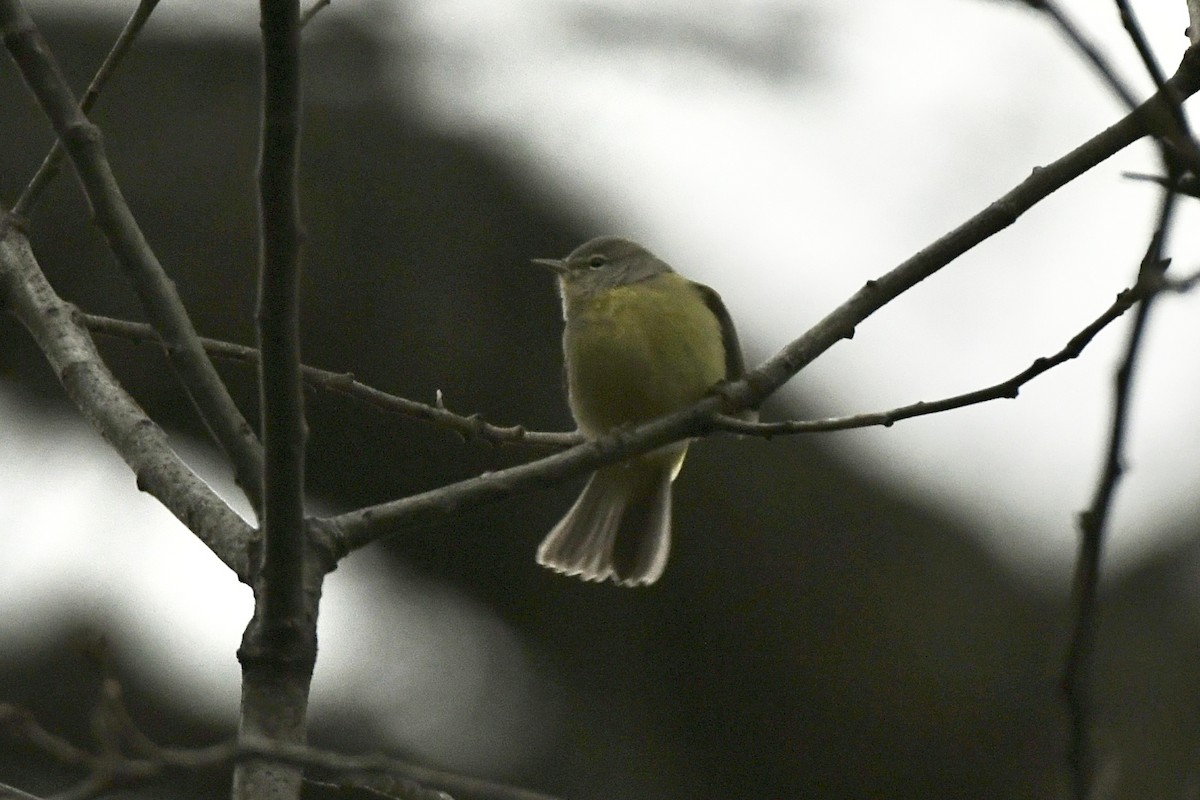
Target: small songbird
639 341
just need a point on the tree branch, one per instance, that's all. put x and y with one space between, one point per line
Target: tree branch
279 647
13 793
111 411
1007 389
1081 758
280 382
49 168
312 11
357 528
83 143
1178 135
1089 51
470 427
145 760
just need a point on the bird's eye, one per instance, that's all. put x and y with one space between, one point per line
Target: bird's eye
597 261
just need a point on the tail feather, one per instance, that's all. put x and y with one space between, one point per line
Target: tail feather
639 554
619 528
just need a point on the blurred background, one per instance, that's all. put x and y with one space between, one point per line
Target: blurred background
871 614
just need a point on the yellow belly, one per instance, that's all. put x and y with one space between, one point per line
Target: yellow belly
639 351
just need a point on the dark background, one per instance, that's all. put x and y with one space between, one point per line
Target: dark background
815 636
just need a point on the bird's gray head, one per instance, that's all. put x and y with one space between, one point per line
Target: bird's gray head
604 263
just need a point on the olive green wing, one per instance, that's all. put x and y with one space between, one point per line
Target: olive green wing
735 366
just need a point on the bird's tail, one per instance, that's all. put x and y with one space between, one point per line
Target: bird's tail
620 527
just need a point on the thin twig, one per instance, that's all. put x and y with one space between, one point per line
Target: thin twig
1185 183
312 11
469 427
357 528
152 761
1088 50
157 292
1178 135
53 160
13 793
1006 389
1081 758
1138 37
109 409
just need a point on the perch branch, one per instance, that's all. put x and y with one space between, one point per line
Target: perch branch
469 427
1006 389
360 527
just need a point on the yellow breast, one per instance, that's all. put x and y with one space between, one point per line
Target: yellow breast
638 351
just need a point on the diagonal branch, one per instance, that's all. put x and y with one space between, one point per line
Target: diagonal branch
49 168
1088 50
313 10
1006 389
1177 139
13 793
111 411
357 528
157 292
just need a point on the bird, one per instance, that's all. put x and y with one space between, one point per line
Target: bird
639 341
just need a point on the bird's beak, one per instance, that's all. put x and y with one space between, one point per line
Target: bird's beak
556 265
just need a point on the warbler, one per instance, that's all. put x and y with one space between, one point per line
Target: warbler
639 341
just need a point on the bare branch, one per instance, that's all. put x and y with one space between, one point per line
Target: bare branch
49 168
1178 136
470 427
84 145
281 390
839 324
1006 389
13 793
110 410
312 11
1138 37
357 528
150 760
279 647
1093 523
1088 50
